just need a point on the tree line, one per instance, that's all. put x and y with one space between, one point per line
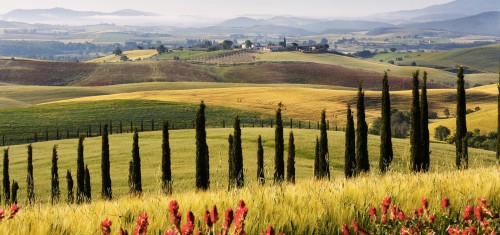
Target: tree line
356 150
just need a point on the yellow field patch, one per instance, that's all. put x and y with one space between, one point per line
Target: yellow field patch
132 55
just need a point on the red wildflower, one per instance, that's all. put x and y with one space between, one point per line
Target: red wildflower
425 204
453 231
214 215
142 224
470 231
402 216
404 233
239 219
445 203
188 227
345 230
270 231
359 229
2 214
170 232
420 211
13 210
383 220
173 207
478 212
373 212
468 213
385 205
228 220
198 233
432 218
106 226
206 218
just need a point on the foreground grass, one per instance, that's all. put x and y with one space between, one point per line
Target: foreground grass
182 145
309 207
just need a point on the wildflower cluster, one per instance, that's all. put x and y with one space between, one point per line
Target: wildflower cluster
14 208
391 220
210 218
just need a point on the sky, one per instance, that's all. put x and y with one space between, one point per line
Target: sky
231 8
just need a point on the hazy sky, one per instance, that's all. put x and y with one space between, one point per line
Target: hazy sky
228 8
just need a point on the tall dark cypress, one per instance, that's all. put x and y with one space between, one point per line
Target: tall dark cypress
69 180
462 158
136 159
6 178
324 165
362 162
290 169
238 154
30 181
166 170
106 191
231 174
350 146
131 177
316 160
279 161
260 161
498 117
424 123
15 187
415 131
80 172
386 153
202 157
55 177
88 186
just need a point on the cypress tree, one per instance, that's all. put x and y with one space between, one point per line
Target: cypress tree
231 174
362 162
279 162
461 132
136 159
498 117
424 123
415 131
350 146
316 160
15 187
30 182
106 191
324 165
69 180
131 177
290 170
80 172
386 153
260 161
88 188
166 172
6 178
202 157
55 177
238 154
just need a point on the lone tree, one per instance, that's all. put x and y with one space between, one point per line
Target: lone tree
230 161
350 146
6 179
290 169
462 155
15 188
106 191
260 161
362 163
324 165
166 171
202 157
279 162
80 173
316 160
55 177
136 161
498 116
424 123
69 180
237 154
30 182
415 131
386 153
117 51
88 188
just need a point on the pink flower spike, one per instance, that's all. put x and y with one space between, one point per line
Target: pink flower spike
445 203
106 226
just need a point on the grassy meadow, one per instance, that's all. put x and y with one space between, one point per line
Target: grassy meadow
183 159
132 55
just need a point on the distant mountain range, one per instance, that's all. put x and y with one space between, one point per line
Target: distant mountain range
447 11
